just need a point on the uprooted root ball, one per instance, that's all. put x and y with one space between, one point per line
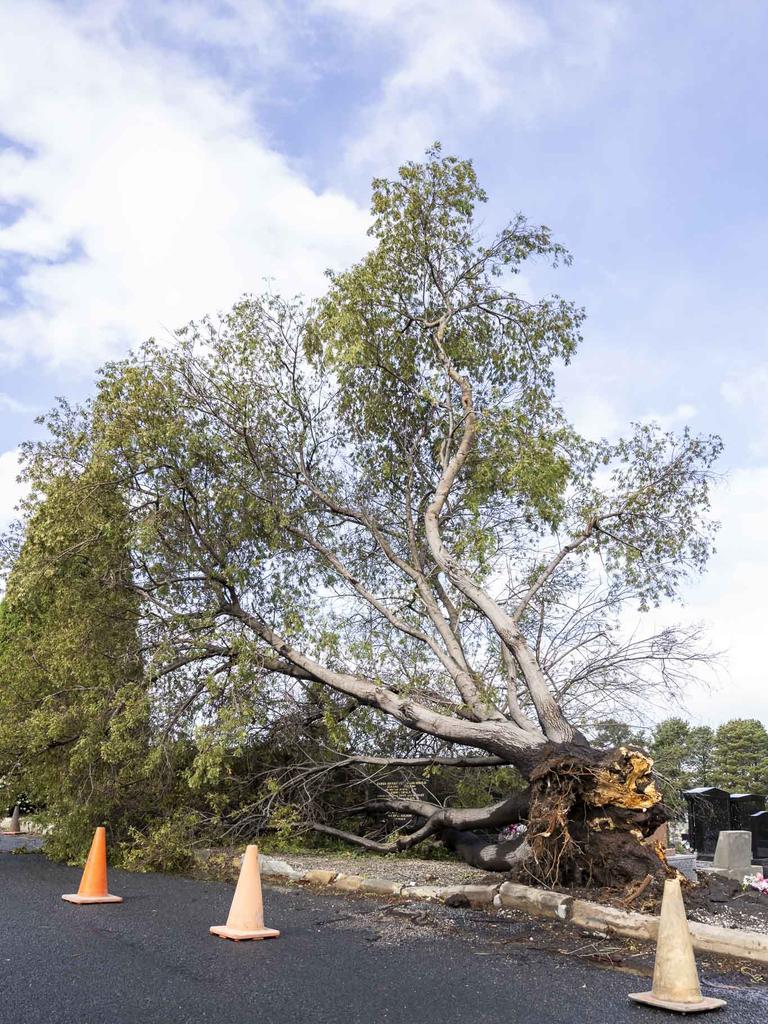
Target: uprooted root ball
588 819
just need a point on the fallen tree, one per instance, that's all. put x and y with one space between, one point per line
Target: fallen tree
377 497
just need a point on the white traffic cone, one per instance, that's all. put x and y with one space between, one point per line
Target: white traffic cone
675 978
246 915
14 830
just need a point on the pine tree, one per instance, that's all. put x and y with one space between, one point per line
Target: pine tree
73 710
683 757
669 750
741 756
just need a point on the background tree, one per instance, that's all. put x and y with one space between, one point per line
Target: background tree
611 733
683 757
74 715
741 756
700 756
378 498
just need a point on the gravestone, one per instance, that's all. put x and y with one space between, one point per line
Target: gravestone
709 813
759 828
661 836
685 863
743 806
733 856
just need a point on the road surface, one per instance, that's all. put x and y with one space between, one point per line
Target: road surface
339 961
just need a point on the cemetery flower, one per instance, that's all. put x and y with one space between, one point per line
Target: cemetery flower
512 832
757 882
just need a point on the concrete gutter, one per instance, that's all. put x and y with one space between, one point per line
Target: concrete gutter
583 914
706 938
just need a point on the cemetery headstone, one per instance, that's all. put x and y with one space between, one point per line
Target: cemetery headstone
401 789
733 855
743 805
709 813
759 828
685 863
661 835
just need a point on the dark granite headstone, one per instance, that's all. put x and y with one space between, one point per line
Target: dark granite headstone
709 813
742 806
759 826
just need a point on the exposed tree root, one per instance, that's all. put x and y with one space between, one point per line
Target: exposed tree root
589 815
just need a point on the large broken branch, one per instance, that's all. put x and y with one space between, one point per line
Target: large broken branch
503 739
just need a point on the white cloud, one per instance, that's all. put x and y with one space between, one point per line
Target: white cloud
730 601
744 392
746 387
149 196
681 415
11 404
11 491
595 415
252 25
458 61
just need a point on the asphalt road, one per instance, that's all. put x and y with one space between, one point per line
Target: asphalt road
341 960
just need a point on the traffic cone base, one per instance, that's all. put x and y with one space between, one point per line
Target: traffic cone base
75 897
705 1003
246 915
675 978
225 932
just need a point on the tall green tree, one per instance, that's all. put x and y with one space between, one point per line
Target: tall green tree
73 708
378 497
683 757
700 757
741 756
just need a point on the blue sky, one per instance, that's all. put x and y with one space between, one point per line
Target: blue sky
157 160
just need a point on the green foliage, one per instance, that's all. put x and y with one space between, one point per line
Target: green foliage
655 471
376 330
285 823
741 756
477 787
610 733
669 750
734 758
73 707
700 754
164 844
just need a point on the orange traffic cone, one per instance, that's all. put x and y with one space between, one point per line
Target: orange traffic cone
93 885
246 915
675 978
14 830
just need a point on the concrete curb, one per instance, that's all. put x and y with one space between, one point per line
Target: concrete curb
541 902
602 920
590 917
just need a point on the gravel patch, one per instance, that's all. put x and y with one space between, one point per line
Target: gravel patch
407 871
